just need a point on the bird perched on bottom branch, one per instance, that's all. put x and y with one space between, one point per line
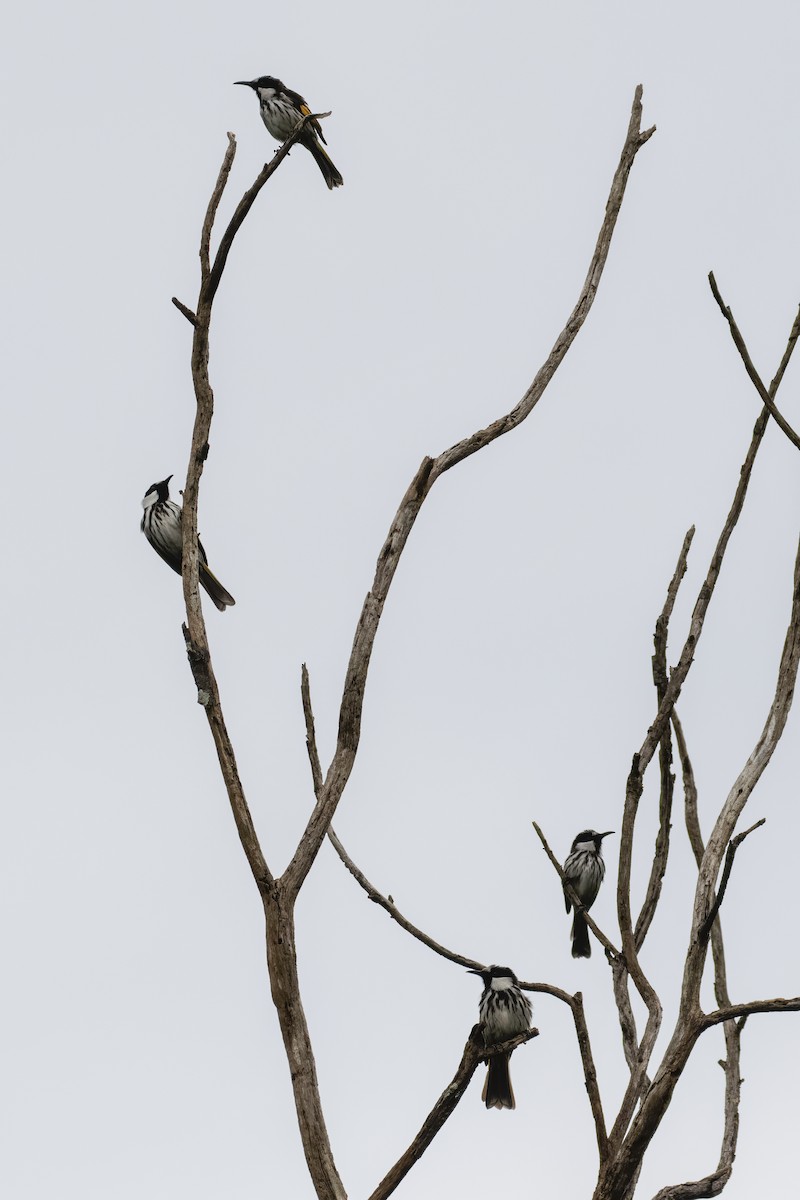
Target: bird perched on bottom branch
505 1011
584 870
162 525
281 109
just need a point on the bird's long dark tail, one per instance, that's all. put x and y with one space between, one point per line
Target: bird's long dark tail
497 1090
323 160
581 946
220 595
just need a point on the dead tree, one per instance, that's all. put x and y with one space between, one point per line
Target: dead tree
620 1148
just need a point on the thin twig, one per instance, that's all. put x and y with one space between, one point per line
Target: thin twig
744 354
311 733
391 908
187 312
213 205
733 846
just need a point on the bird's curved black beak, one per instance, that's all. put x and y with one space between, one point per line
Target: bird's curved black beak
471 972
244 83
608 833
163 481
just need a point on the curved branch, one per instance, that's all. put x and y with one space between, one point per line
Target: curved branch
388 905
355 682
731 1011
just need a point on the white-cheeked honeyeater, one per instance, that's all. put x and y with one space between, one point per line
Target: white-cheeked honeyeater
505 1011
162 525
584 869
281 109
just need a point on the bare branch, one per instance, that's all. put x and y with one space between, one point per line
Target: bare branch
195 634
712 1184
577 903
355 682
575 1002
213 205
213 275
590 1075
733 846
634 141
391 908
311 733
627 1021
739 342
278 910
739 795
474 1053
661 681
642 759
691 1021
187 312
732 1011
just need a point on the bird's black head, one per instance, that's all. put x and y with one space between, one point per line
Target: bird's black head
494 972
590 839
263 81
156 492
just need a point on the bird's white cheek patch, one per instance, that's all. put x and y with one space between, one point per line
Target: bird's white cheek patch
149 499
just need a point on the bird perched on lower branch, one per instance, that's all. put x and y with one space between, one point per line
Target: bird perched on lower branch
505 1011
584 870
162 525
281 109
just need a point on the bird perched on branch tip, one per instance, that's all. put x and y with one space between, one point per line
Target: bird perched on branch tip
505 1011
162 525
584 870
281 109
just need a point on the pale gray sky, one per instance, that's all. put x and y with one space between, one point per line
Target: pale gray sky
355 332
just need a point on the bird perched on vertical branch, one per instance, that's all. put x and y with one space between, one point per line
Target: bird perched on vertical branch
281 109
162 525
584 870
505 1011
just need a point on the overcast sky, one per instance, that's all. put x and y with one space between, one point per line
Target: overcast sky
355 332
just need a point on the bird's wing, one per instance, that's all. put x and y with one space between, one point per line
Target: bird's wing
302 105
